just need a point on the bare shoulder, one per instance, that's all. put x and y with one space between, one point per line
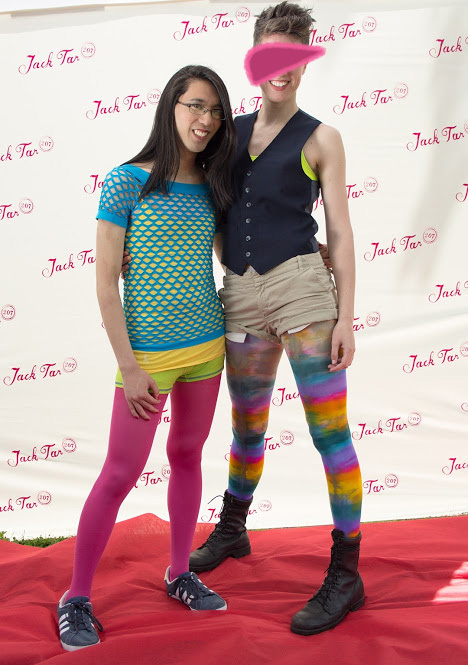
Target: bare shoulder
327 138
323 145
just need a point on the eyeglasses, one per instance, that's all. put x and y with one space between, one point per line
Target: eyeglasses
198 109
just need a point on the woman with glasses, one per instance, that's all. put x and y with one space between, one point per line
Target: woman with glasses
168 337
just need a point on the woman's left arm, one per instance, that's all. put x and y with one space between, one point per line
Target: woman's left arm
327 146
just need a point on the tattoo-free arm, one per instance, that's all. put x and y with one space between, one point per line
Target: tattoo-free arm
332 173
109 248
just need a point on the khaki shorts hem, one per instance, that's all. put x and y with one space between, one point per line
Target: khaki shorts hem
261 334
294 322
306 319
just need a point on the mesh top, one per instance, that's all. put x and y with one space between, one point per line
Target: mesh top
170 298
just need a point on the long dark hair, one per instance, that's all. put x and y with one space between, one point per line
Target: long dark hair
162 145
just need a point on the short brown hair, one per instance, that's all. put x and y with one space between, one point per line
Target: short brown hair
285 18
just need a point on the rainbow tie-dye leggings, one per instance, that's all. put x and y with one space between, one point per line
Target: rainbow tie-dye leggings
251 371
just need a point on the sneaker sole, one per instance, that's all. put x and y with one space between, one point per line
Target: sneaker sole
302 631
237 554
69 647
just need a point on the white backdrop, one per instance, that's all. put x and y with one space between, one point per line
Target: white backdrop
37 5
78 100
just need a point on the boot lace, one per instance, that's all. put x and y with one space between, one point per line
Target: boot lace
81 617
219 528
331 581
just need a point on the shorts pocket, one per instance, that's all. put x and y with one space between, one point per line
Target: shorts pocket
320 271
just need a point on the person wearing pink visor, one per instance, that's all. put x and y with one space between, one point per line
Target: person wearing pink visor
279 295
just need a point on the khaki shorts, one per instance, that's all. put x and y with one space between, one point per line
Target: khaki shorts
296 293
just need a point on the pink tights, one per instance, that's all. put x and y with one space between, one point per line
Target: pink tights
130 441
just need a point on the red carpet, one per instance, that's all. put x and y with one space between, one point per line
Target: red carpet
416 611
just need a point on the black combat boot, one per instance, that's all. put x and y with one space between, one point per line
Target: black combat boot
341 592
229 538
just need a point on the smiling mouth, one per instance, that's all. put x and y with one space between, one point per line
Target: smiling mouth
279 85
200 133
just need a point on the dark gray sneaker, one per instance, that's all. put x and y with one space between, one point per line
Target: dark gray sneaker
189 589
76 623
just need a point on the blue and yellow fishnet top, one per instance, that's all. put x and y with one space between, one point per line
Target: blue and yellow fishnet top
173 313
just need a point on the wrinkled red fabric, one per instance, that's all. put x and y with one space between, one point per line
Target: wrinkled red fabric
415 574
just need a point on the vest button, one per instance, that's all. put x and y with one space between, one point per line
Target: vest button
247 238
247 189
249 173
248 220
247 254
248 204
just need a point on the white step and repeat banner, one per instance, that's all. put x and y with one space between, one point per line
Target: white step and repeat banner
38 5
78 100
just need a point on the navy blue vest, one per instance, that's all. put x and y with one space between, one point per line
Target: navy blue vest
270 220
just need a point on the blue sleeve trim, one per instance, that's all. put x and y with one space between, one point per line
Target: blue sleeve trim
112 217
119 195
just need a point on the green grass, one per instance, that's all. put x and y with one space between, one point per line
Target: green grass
41 541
